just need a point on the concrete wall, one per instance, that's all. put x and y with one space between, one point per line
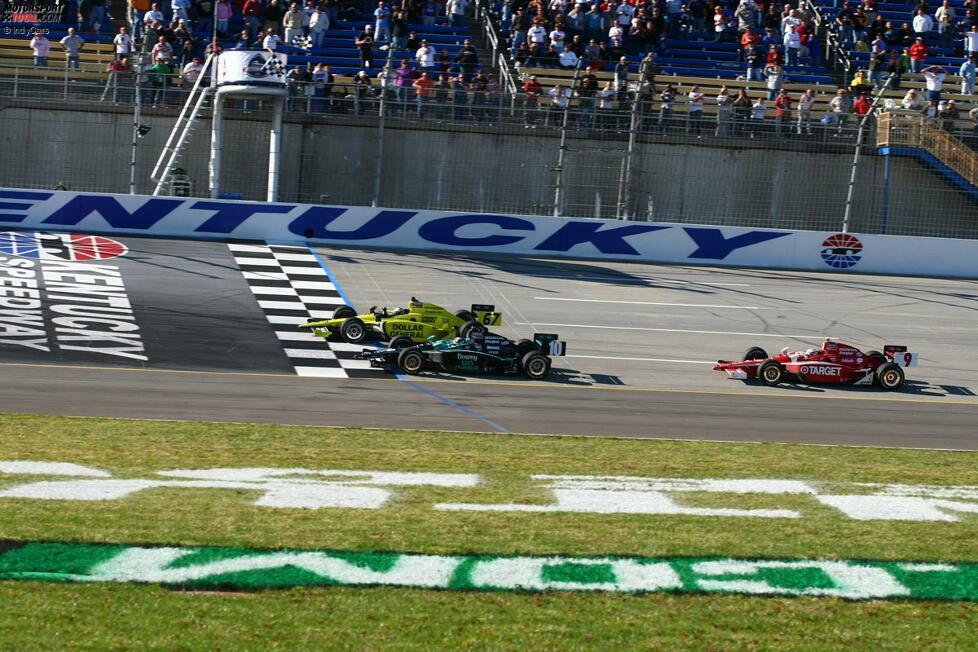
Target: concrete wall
482 171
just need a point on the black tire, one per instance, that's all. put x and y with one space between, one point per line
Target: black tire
468 327
771 373
400 342
344 312
890 377
535 365
876 355
755 353
524 346
353 331
465 315
410 361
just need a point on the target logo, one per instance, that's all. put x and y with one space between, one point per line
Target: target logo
60 246
842 250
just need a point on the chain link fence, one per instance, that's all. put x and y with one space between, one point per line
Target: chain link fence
497 152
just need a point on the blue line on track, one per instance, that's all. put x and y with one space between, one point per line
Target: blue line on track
416 386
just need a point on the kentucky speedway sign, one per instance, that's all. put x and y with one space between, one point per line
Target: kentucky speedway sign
246 569
489 233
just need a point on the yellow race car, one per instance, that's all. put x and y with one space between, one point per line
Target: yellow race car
404 326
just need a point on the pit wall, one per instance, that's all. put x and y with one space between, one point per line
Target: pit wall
647 242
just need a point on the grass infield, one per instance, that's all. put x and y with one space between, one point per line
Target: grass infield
48 615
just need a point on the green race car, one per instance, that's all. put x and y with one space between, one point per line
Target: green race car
416 323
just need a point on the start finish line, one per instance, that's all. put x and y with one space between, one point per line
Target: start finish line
244 569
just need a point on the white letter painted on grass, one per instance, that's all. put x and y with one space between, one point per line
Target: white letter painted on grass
624 495
528 573
897 508
152 565
18 467
850 580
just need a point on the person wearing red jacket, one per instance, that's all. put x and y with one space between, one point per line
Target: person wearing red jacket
532 88
782 110
862 104
252 11
918 52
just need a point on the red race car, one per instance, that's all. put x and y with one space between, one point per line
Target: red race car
835 364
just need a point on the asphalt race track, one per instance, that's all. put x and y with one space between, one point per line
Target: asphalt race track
641 340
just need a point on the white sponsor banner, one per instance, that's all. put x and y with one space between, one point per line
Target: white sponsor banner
490 233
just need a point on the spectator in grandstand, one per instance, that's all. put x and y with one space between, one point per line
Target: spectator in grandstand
860 83
365 42
719 24
557 37
694 110
191 72
918 52
432 10
72 44
271 40
318 25
222 14
594 23
945 19
135 10
252 11
292 22
792 45
186 43
971 40
876 64
931 109
479 88
911 101
967 72
724 113
468 60
758 110
161 50
119 66
862 104
560 97
404 77
273 16
934 81
382 22
606 106
587 89
243 42
755 64
922 22
805 103
621 71
123 43
153 15
425 57
843 25
456 11
531 97
422 92
460 100
399 32
841 106
948 115
775 80
666 98
159 78
782 111
181 10
568 60
362 89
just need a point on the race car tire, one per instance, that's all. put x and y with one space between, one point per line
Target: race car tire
344 312
410 361
400 342
468 327
755 353
771 372
876 355
535 365
890 377
465 315
353 331
524 346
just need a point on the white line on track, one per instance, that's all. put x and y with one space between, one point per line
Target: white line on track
633 279
607 357
655 303
672 330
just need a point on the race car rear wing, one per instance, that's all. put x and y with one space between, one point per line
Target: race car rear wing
550 344
486 314
900 355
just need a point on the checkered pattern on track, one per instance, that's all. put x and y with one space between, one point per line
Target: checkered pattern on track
291 287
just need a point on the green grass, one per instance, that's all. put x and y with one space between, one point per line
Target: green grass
36 615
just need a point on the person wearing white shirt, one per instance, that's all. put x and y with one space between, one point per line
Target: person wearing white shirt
967 72
425 56
123 43
792 20
606 106
537 34
971 42
911 101
922 23
318 25
615 35
624 13
456 11
181 10
568 58
191 72
271 40
934 80
694 111
792 45
805 103
557 37
153 14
